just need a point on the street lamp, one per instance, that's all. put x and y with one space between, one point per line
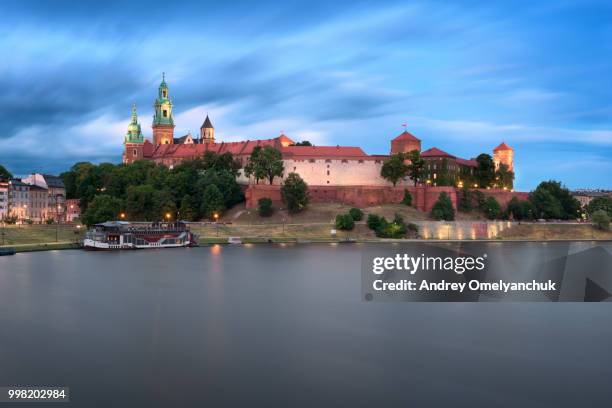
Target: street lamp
168 216
216 217
122 215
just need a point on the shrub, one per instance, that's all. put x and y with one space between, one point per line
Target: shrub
374 221
10 219
443 208
601 219
356 213
29 221
345 222
49 221
600 203
520 209
407 200
492 208
264 207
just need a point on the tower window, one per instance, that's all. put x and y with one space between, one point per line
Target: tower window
164 93
135 153
165 113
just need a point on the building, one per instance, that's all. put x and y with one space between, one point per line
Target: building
38 207
55 206
587 195
19 199
4 199
317 165
73 210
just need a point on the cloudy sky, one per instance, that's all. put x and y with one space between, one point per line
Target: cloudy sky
464 77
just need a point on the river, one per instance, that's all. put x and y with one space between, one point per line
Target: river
282 325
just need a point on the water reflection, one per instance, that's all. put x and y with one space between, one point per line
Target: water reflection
462 229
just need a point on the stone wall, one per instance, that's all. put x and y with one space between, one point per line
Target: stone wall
423 197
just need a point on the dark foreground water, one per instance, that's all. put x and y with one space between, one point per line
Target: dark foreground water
282 326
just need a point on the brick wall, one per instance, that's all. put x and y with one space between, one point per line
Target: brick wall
423 198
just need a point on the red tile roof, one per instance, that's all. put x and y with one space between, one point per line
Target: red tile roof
322 151
405 135
470 163
435 152
503 146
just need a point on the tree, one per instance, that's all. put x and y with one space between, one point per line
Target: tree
4 173
407 200
189 208
552 200
302 143
600 203
394 169
143 203
345 222
443 208
485 170
212 201
416 167
265 163
356 213
264 207
294 191
492 209
395 229
504 177
545 204
601 220
465 200
520 209
101 209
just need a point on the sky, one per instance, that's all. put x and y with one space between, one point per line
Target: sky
463 76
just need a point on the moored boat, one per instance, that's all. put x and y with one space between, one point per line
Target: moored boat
126 235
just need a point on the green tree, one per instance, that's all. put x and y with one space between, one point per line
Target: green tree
265 162
552 200
443 208
143 203
394 169
600 203
356 213
302 143
294 191
485 170
189 208
504 177
492 209
407 200
416 168
4 173
101 209
465 200
212 201
264 207
345 222
601 220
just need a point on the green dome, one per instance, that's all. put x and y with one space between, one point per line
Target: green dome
134 134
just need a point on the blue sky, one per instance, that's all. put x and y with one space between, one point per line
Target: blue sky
463 76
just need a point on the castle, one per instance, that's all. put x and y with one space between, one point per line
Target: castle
324 166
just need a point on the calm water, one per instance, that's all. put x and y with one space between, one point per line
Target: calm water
282 326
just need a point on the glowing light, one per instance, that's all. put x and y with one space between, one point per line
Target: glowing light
122 215
168 216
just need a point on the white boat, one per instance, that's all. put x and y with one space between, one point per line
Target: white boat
125 235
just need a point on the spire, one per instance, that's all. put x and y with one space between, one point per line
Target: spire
207 123
134 134
163 105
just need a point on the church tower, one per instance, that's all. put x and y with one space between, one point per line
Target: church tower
163 121
134 140
207 132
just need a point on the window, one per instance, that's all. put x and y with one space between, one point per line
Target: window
328 174
435 176
328 161
295 168
360 161
164 93
344 161
135 153
165 113
312 160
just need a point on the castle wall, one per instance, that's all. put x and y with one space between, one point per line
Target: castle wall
423 197
163 134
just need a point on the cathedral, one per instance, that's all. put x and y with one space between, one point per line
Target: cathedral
317 165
